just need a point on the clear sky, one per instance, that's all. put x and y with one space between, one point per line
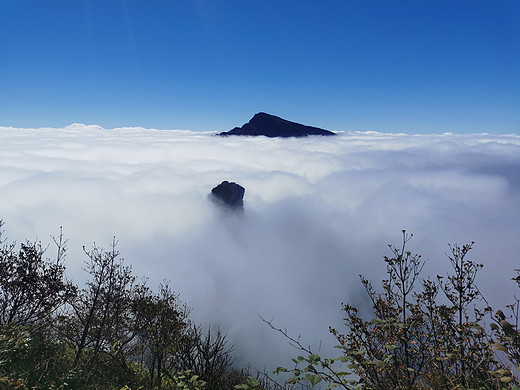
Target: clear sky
411 66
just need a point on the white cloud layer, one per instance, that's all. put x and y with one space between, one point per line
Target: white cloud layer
318 212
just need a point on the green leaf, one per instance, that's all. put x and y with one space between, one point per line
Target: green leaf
506 379
499 347
292 380
316 380
313 379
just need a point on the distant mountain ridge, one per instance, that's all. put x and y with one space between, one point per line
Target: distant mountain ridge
273 126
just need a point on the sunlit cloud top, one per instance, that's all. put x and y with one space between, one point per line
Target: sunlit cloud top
318 212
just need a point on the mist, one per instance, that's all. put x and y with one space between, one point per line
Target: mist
319 211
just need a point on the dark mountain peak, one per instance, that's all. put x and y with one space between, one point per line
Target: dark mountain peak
230 195
272 126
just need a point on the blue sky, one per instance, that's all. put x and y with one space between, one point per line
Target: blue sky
411 66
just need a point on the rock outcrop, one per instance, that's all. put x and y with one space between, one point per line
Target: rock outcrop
273 126
229 195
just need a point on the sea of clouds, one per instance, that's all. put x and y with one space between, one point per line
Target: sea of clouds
319 211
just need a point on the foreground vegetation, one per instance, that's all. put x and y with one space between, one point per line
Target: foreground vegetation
117 333
114 333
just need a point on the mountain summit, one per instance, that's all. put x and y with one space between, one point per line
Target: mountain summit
273 126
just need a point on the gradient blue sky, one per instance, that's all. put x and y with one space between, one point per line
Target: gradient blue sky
400 66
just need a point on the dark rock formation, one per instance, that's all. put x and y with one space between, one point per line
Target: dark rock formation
229 194
273 126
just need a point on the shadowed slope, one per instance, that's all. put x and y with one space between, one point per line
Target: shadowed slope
273 126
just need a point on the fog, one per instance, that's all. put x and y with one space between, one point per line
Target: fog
319 211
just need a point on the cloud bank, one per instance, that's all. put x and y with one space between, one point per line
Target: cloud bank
319 211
